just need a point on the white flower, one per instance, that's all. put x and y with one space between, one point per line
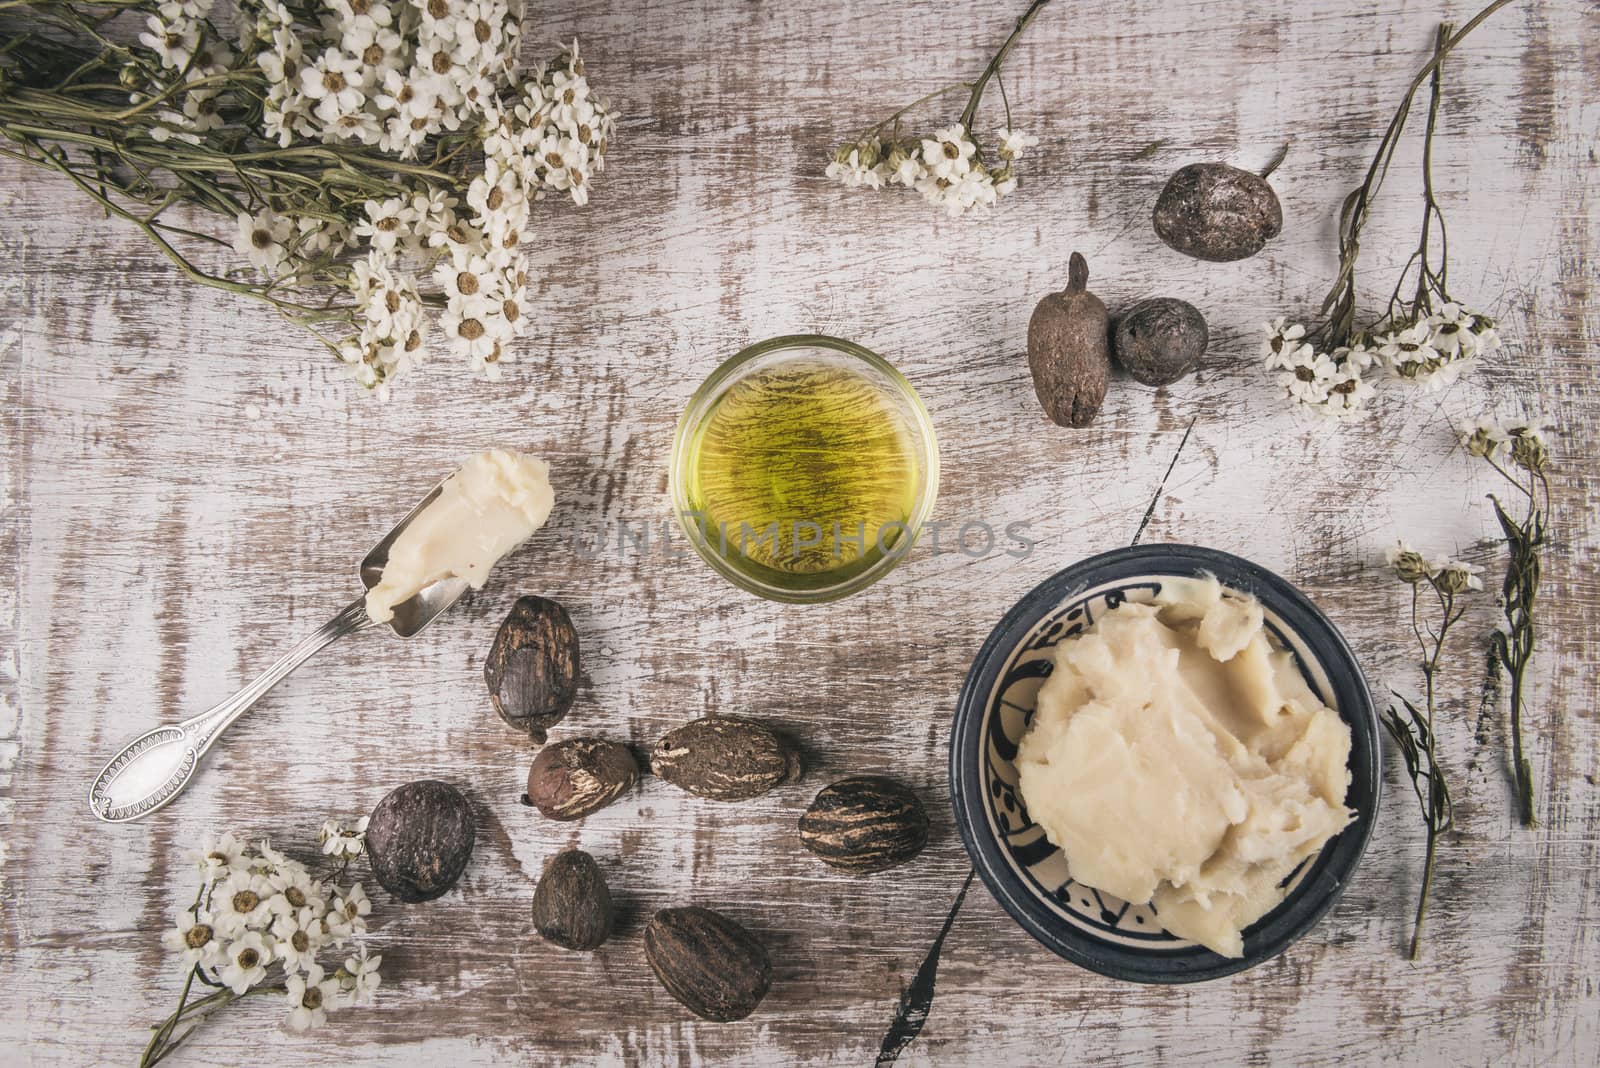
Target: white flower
309 998
1408 348
361 978
1310 375
293 890
1357 356
1014 142
334 81
904 168
857 165
948 154
1485 338
1449 326
193 935
349 912
219 857
172 38
200 109
1486 437
272 860
466 275
240 902
1534 428
246 962
1347 394
1279 347
297 936
260 239
339 840
385 223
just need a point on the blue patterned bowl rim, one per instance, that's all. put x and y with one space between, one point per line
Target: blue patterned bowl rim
1338 677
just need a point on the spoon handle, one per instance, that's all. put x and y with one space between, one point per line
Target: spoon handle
152 769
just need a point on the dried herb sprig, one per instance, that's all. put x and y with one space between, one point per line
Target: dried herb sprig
950 168
1524 444
258 924
377 168
1424 336
1414 731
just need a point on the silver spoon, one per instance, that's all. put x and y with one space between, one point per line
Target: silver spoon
154 768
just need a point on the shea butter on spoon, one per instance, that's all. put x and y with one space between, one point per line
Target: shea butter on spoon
444 546
492 504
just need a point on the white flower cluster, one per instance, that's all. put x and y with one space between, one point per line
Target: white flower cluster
183 44
260 913
388 73
1448 574
1523 439
947 168
1431 352
549 132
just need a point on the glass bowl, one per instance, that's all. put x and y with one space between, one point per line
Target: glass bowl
863 556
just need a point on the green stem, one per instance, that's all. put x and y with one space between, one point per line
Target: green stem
1339 304
1436 815
300 314
936 94
971 110
163 1044
1422 900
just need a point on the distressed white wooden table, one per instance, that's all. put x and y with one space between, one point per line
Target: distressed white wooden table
161 544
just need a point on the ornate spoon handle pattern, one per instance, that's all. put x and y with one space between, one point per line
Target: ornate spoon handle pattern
154 768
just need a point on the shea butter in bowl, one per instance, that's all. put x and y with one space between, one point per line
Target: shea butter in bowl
1195 736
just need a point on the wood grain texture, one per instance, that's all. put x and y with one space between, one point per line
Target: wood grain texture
162 545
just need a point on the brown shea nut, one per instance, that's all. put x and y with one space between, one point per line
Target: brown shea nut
576 776
1212 211
724 758
865 824
1159 341
571 904
1068 350
708 962
532 666
419 839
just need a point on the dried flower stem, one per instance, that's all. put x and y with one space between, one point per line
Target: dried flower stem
1339 307
167 1039
975 89
1514 646
971 110
1414 734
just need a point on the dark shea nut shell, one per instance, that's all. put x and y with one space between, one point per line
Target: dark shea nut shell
1212 211
1159 341
419 839
532 666
725 758
1068 350
576 776
571 904
865 824
708 962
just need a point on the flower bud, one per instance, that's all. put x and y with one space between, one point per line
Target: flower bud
1528 452
1453 580
1481 442
1411 566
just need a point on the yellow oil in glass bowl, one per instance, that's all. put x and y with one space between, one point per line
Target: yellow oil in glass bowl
803 468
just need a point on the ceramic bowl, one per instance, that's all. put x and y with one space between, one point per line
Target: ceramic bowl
1029 876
